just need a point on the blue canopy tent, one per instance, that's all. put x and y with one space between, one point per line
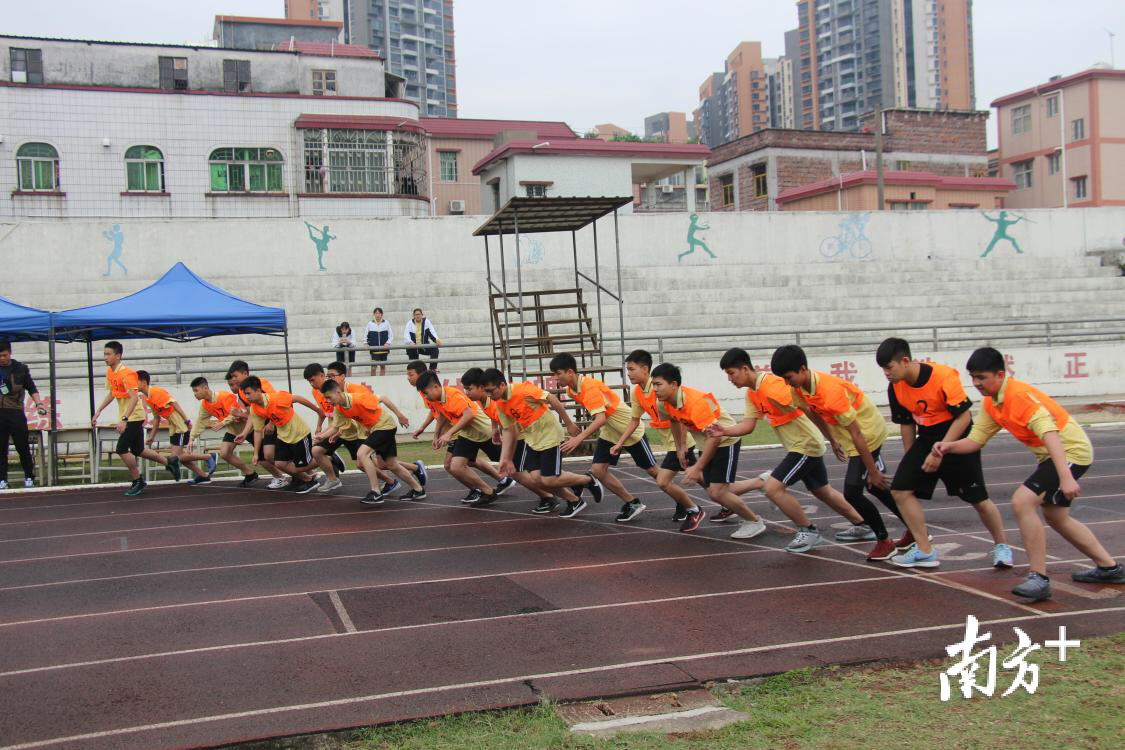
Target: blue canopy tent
179 306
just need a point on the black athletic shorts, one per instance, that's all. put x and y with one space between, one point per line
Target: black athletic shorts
300 453
856 475
462 447
640 451
797 467
180 439
383 443
548 462
723 468
230 436
961 473
132 440
1045 481
331 446
671 461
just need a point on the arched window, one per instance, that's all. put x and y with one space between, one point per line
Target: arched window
242 170
38 167
144 170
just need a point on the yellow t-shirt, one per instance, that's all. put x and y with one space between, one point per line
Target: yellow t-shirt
519 404
840 403
797 435
697 411
1029 414
278 406
597 398
120 381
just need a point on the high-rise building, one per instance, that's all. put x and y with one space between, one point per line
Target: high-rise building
779 91
708 127
670 127
853 56
415 37
735 101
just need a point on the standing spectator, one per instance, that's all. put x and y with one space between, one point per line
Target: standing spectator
378 333
15 380
421 331
343 343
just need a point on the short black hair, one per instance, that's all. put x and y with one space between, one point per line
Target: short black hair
788 358
640 357
199 382
562 361
417 366
5 346
251 381
735 357
892 350
426 379
492 376
338 368
313 368
986 359
115 346
377 310
472 377
239 365
668 372
329 386
143 375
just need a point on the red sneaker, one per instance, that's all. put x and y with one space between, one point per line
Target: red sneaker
691 523
904 544
883 549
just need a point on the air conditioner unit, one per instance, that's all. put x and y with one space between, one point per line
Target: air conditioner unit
665 189
456 207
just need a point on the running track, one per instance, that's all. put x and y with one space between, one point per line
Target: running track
194 617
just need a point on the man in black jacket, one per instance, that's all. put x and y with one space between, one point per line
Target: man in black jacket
15 380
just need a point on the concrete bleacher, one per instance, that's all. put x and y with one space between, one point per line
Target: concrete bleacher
884 295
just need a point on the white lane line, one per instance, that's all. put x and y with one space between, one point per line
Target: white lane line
273 710
630 721
345 618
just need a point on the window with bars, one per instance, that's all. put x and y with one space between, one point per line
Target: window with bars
37 167
537 191
448 163
246 170
144 170
26 65
761 186
236 75
726 188
324 83
364 161
173 73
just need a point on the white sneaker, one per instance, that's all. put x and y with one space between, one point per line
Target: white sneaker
3 484
278 483
804 541
332 486
749 529
765 477
319 477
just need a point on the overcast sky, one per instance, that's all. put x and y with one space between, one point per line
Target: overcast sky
588 62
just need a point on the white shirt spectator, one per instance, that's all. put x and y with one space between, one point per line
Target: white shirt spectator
378 328
411 334
338 341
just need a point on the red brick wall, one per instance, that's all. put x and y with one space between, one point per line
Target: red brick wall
934 132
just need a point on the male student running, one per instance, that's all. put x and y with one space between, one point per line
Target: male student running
691 412
414 372
122 384
217 411
373 414
294 438
608 421
165 407
236 373
929 405
1064 453
770 397
856 431
467 431
473 383
324 450
638 366
525 415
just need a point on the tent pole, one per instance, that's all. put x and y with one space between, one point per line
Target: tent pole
90 373
95 447
52 436
288 369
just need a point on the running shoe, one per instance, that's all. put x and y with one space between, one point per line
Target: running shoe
303 488
1116 574
415 494
279 483
3 484
749 529
629 511
724 515
28 482
135 488
330 486
338 465
503 485
916 558
484 499
859 532
420 472
248 479
804 541
173 467
907 540
471 498
765 477
1035 587
679 514
1001 556
372 498
212 463
883 550
692 520
595 488
388 488
573 509
198 480
546 505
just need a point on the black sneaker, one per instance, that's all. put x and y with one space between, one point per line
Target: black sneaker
420 473
484 500
338 465
248 480
303 488
679 514
503 485
546 505
135 488
629 511
414 494
1116 574
692 520
173 467
197 480
595 488
724 515
573 509
471 498
373 498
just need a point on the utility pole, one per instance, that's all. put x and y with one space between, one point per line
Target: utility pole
879 155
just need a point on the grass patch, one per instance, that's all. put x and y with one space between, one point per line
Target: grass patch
1077 705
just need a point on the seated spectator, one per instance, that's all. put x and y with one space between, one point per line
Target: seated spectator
421 331
343 343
